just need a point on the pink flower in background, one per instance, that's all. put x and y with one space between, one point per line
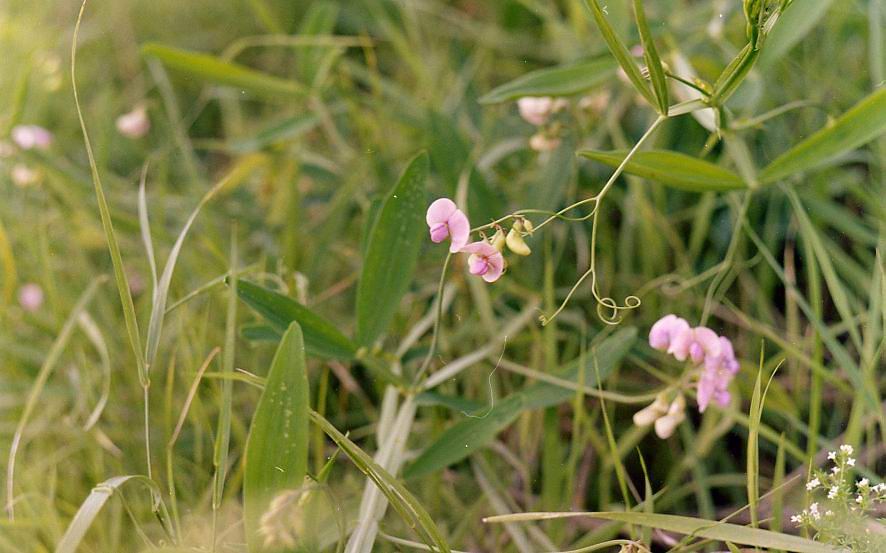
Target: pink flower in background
536 110
29 137
30 297
134 124
445 219
541 142
485 260
664 330
701 344
713 355
23 176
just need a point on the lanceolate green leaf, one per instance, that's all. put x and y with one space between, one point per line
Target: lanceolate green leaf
620 51
554 81
862 123
276 456
392 252
653 62
697 527
321 337
477 430
673 169
215 70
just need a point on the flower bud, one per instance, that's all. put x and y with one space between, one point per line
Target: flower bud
665 426
498 240
652 412
515 240
527 226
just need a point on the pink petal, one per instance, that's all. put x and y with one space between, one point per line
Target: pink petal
706 389
708 340
722 397
439 232
478 265
440 211
496 267
480 247
680 343
459 230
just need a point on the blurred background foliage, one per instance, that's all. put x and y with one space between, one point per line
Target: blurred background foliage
380 81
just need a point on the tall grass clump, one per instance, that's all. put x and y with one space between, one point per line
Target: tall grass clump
442 276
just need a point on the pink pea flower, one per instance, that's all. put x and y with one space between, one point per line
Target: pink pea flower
536 110
30 297
134 124
716 377
701 344
445 219
664 330
485 260
29 137
541 142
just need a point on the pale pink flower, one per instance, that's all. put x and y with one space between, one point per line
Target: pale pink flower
536 110
485 260
134 124
541 142
701 344
23 176
664 330
30 297
445 219
28 137
716 376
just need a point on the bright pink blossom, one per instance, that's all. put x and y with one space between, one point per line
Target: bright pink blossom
664 330
701 344
445 219
28 137
485 260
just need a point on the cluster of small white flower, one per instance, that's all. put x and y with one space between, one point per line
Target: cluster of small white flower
844 497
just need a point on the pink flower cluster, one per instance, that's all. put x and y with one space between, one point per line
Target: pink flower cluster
701 345
445 220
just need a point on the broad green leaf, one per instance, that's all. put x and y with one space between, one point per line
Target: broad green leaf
276 455
406 505
696 527
92 506
673 169
620 51
215 70
563 80
475 431
321 337
392 252
258 332
793 24
862 123
653 61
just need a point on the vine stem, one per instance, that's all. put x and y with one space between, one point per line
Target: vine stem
631 301
436 332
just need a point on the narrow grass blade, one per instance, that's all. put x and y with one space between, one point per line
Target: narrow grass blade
52 357
321 336
92 506
406 505
653 61
392 252
107 226
672 169
565 80
620 51
696 527
7 259
214 70
277 446
223 433
161 293
144 224
864 122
